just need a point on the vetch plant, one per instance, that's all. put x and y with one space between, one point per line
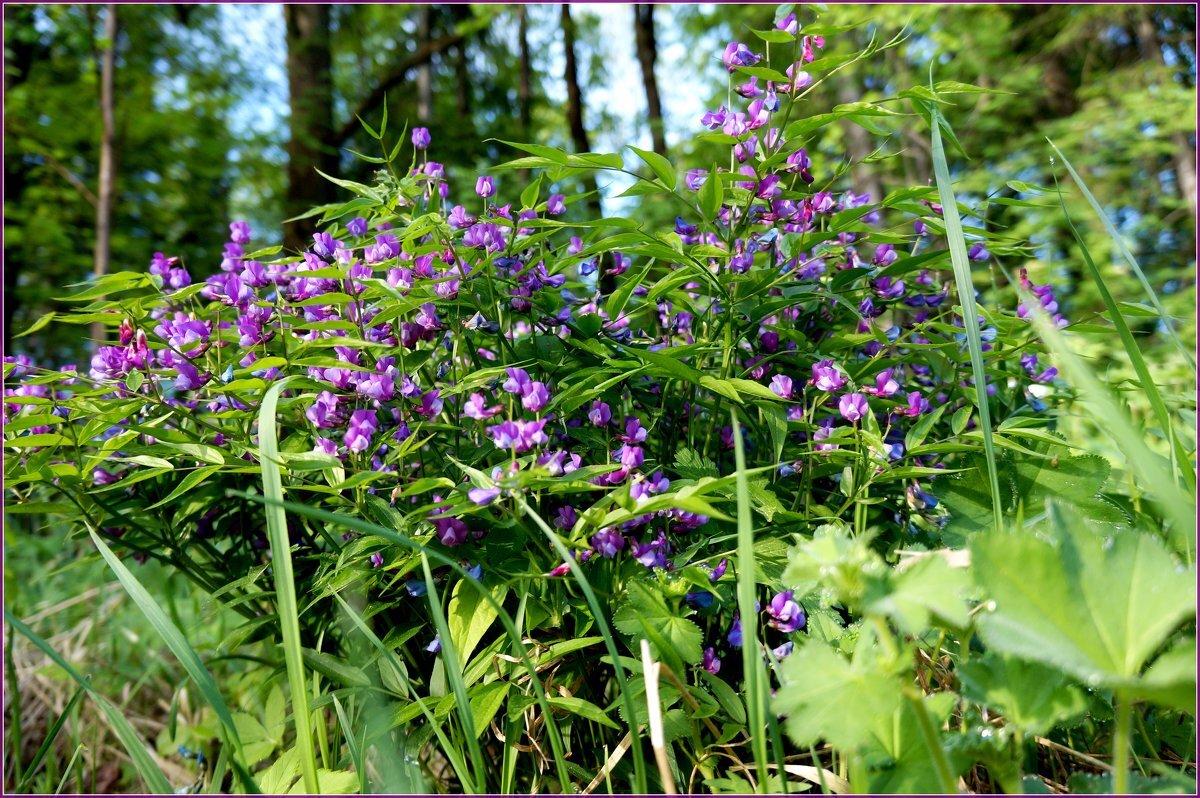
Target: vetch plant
456 460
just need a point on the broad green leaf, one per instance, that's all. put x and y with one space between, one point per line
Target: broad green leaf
673 638
1029 694
1094 608
469 616
828 698
661 167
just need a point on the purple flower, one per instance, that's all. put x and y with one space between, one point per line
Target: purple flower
363 424
435 645
186 334
357 226
711 663
483 496
826 377
325 446
737 54
566 517
781 386
853 407
735 632
608 542
517 380
189 377
534 396
719 571
325 245
555 205
421 138
451 531
600 414
477 408
917 405
713 120
324 413
884 384
239 233
376 560
785 650
651 554
785 614
978 251
485 186
788 24
380 387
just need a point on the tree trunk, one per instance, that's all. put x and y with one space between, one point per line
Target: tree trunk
106 186
579 135
425 70
1183 156
647 53
525 74
310 90
19 56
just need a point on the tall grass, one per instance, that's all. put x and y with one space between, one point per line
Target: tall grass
285 585
966 300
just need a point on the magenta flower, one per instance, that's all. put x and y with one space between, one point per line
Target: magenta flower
917 405
737 54
785 614
826 377
607 542
853 407
483 496
324 412
781 386
534 396
363 424
884 384
600 414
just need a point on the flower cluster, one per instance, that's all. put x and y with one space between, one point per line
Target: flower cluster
456 367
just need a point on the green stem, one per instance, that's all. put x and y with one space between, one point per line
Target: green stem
1121 740
930 736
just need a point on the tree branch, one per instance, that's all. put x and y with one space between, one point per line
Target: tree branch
398 75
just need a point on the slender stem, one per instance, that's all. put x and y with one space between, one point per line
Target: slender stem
1121 740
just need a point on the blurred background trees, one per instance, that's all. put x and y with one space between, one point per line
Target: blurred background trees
224 112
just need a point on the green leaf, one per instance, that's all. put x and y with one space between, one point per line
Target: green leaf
485 703
187 483
661 167
673 638
469 616
582 708
1098 610
335 669
285 584
1171 679
1031 695
711 195
928 587
827 697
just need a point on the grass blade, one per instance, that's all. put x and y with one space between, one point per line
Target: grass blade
752 661
143 762
462 702
365 527
1179 454
966 300
175 641
356 752
1119 243
639 765
451 752
285 584
44 748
